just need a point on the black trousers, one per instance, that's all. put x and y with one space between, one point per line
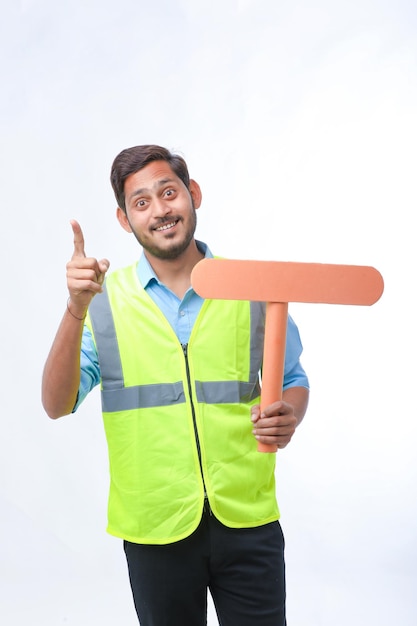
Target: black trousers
243 569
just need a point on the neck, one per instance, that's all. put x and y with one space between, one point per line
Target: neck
176 273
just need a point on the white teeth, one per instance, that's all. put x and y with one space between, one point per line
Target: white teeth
166 226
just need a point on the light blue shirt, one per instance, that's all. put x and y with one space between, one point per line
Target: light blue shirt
181 314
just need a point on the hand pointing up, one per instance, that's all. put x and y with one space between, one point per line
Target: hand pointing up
85 275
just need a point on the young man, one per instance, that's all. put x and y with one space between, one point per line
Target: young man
190 495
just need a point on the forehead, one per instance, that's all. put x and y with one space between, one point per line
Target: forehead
149 178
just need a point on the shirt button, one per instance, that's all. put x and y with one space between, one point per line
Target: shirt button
182 313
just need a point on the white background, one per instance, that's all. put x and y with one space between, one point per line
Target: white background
298 119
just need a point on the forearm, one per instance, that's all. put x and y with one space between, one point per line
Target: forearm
298 398
61 375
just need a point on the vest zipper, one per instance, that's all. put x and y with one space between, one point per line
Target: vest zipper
197 438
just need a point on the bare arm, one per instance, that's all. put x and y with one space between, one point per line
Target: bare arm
61 375
277 424
298 398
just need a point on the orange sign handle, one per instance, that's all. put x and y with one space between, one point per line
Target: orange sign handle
273 359
278 283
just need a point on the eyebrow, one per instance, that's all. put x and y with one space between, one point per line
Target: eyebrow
156 186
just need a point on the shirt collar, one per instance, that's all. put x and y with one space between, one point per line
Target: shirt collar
146 273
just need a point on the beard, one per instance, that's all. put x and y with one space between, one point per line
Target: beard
175 250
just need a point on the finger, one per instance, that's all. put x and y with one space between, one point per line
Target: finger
273 437
78 239
283 423
277 408
103 265
255 413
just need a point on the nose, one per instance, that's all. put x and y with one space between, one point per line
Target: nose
161 208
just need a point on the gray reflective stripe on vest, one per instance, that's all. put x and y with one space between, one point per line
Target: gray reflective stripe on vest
142 396
257 332
106 341
226 391
116 397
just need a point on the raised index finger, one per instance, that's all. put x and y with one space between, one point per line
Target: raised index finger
78 239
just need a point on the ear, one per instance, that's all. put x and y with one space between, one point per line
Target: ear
123 221
196 194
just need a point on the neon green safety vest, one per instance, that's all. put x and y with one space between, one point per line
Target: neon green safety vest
177 418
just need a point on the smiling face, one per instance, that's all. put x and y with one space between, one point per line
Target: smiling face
160 210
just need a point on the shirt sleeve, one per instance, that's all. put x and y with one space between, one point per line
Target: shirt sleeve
90 368
294 374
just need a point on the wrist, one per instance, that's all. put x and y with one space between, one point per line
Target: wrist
75 312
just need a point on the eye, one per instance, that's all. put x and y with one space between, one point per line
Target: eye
141 203
169 193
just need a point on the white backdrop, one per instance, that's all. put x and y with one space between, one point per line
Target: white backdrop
298 120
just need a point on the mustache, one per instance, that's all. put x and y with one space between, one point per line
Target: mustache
166 220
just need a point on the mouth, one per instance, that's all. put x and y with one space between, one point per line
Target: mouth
167 226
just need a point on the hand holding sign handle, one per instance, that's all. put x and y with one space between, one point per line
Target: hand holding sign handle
277 283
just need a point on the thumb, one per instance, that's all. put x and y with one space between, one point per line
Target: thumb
103 266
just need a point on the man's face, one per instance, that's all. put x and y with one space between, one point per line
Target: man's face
160 210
